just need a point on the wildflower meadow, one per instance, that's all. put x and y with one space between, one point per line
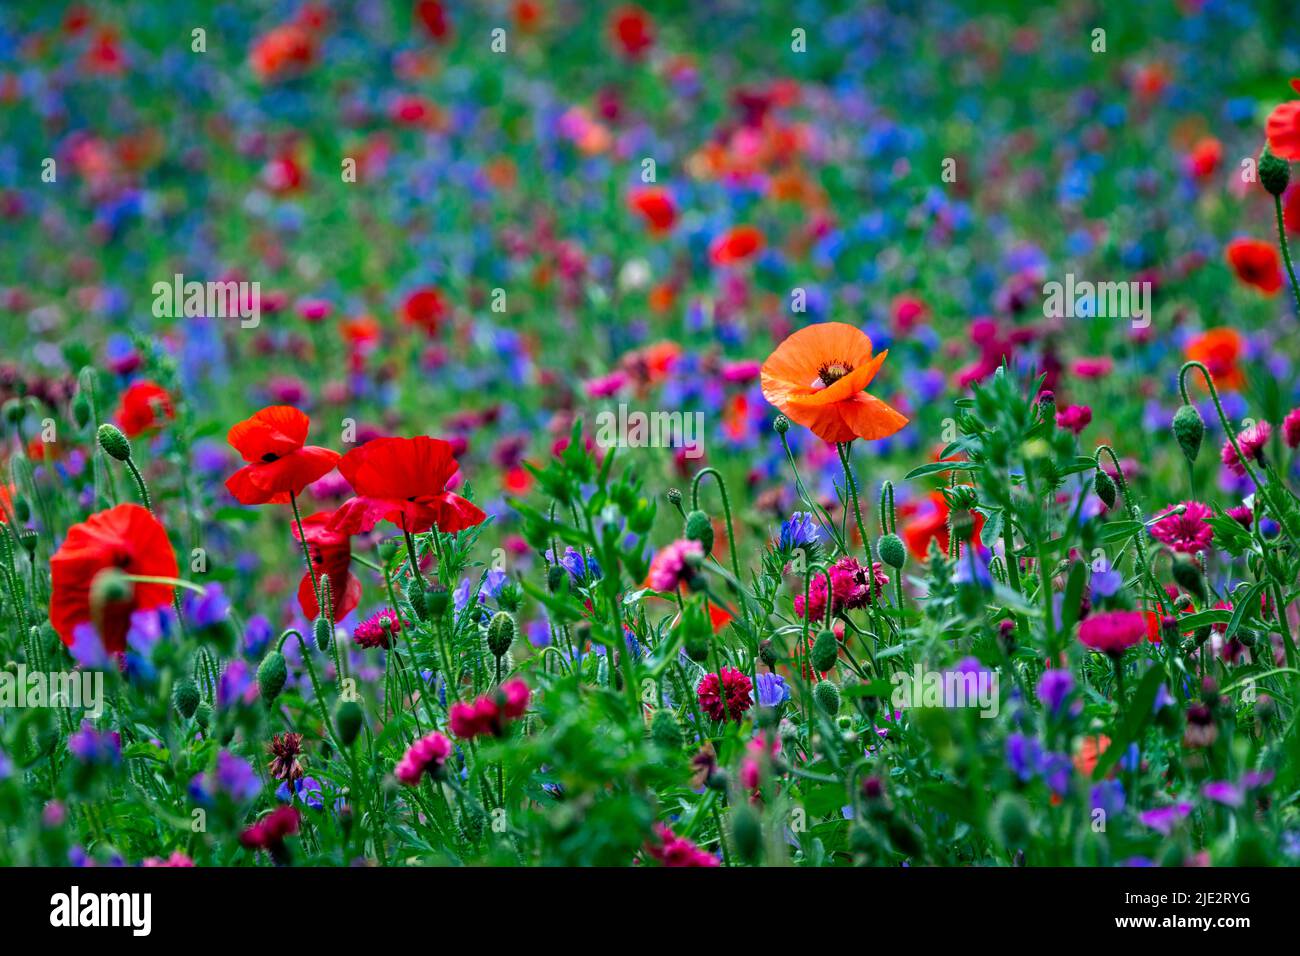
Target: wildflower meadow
548 433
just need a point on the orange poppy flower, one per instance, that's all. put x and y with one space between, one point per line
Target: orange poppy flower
127 539
816 378
736 245
1219 350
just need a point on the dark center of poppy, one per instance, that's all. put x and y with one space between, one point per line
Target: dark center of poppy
270 456
832 372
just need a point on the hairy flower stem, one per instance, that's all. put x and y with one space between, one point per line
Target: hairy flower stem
726 510
1144 566
304 644
1232 438
1286 250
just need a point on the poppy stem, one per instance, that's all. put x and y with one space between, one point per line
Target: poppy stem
306 550
1286 250
412 555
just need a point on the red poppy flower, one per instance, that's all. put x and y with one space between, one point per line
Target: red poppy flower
1220 350
1204 158
278 463
632 30
433 17
143 406
1256 263
126 538
283 50
331 554
404 481
655 205
427 308
1283 129
736 245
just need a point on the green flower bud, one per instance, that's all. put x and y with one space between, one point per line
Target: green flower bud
1188 575
415 596
674 496
109 586
348 718
556 578
511 597
113 442
1104 485
746 832
203 715
14 411
891 550
185 697
323 631
22 509
1189 429
825 652
781 425
767 652
500 633
1274 172
665 730
81 410
700 528
387 549
1009 822
827 696
436 599
271 675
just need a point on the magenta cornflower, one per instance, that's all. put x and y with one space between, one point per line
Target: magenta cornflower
737 688
1074 418
1242 515
427 755
372 633
1291 428
489 714
849 588
1113 632
1252 441
1187 532
671 850
671 566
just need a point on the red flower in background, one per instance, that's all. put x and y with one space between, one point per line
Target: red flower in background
1204 158
655 205
432 16
1219 350
143 406
1256 263
489 714
426 307
127 539
1283 129
283 51
929 521
331 554
279 464
404 481
632 30
736 245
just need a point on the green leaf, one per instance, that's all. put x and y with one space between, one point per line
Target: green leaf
938 467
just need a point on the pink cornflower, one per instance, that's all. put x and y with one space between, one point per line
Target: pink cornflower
672 850
489 714
1252 441
849 588
671 565
1187 532
1074 418
1093 367
269 833
1113 632
1291 428
372 633
177 859
428 754
737 688
1242 515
